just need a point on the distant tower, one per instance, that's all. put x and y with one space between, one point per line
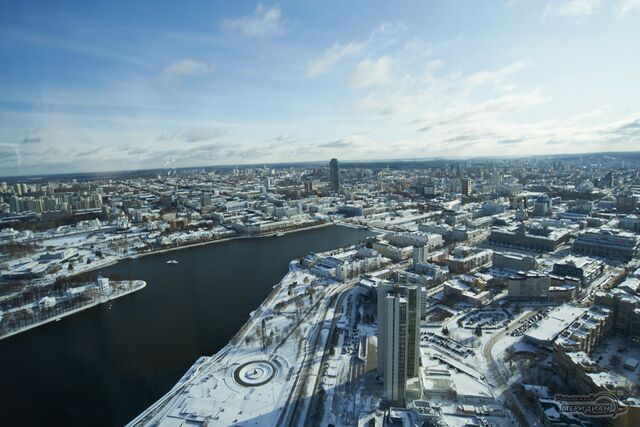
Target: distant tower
308 186
266 181
334 175
608 180
419 253
467 185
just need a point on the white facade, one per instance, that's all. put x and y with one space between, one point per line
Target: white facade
399 337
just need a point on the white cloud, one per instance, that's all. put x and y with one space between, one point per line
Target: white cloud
10 155
383 36
497 76
389 29
434 65
575 9
264 21
194 134
186 67
332 56
429 111
429 108
203 133
625 6
513 102
369 73
355 141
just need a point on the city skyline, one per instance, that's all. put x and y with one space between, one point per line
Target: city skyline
303 213
96 88
448 291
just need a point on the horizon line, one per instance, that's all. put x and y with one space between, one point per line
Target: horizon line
343 162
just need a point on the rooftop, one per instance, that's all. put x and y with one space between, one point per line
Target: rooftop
550 327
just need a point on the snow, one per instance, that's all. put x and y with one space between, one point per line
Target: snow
549 328
213 393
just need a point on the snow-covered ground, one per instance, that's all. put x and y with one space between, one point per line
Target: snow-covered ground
255 379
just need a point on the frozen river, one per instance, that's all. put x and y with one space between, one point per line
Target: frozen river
105 365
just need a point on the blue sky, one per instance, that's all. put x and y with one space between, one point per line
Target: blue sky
124 85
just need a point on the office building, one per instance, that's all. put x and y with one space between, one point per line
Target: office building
586 270
467 186
626 203
308 186
466 259
419 255
542 206
528 286
533 237
334 175
266 182
514 262
398 337
625 302
381 308
607 243
468 289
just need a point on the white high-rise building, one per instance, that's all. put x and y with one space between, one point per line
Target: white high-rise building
398 338
382 291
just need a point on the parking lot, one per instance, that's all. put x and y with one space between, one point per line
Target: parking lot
485 319
351 340
446 345
529 323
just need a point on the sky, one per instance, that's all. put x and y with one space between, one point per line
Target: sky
104 86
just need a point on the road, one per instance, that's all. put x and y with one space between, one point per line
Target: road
312 368
341 293
501 383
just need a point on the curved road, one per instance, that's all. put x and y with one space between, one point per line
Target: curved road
502 385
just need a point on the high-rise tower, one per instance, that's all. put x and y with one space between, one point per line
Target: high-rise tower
467 187
398 337
334 175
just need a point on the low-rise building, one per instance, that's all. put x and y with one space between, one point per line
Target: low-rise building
535 237
625 302
582 268
545 332
515 262
586 332
469 289
607 243
395 253
527 286
466 259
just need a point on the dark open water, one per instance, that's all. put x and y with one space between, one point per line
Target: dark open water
102 367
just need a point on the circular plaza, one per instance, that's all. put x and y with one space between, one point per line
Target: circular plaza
254 373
